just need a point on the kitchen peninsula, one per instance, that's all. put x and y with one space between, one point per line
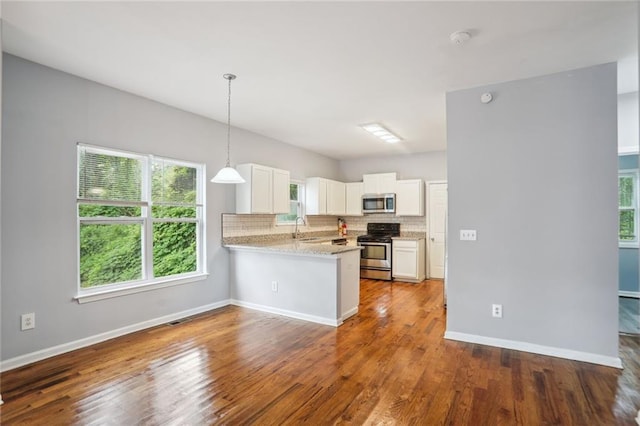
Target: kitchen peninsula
309 280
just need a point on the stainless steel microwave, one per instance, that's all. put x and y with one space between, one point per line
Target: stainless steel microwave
379 203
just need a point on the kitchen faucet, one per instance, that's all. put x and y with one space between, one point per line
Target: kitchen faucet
295 232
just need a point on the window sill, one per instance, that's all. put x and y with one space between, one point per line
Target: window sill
630 244
94 296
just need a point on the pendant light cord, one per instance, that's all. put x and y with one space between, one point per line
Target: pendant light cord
228 174
229 77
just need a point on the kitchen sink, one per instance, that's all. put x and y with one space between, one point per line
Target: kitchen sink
322 240
311 239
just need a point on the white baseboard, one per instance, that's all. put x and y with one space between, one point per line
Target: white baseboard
536 349
287 313
351 312
21 360
634 294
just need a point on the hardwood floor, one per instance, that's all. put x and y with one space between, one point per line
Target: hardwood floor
387 365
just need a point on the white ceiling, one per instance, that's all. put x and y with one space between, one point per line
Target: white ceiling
310 72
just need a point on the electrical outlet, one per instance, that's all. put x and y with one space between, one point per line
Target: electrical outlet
27 321
467 235
496 311
274 286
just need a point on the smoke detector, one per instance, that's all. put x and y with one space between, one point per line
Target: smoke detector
459 37
485 98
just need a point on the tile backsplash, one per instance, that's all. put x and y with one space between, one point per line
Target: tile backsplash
407 223
236 226
241 225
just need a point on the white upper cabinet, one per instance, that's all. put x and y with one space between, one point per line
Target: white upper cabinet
353 196
335 197
281 204
409 197
324 196
379 183
266 190
255 195
315 196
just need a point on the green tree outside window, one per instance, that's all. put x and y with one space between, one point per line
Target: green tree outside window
627 207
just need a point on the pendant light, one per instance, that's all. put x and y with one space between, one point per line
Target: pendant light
228 174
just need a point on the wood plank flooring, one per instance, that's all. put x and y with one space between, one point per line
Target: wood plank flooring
387 365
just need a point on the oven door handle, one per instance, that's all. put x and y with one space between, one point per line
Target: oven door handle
368 243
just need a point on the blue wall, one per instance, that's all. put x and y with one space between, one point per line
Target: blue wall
628 269
628 162
628 260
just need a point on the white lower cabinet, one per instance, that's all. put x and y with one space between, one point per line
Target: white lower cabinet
408 260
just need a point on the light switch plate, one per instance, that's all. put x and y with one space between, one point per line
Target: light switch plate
467 235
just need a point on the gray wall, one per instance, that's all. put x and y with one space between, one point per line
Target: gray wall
427 166
535 173
45 113
1 23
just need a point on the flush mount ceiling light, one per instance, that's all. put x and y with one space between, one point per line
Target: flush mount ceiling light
460 37
381 132
228 174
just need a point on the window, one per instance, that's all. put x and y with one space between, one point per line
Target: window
296 195
140 219
628 208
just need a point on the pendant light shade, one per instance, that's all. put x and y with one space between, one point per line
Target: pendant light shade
228 174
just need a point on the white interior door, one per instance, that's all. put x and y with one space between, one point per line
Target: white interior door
437 214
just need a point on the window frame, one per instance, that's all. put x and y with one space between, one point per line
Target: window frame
634 174
146 220
299 201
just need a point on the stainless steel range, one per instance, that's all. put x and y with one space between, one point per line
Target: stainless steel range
375 257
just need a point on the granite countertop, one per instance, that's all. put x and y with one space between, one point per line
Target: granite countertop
317 246
409 238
